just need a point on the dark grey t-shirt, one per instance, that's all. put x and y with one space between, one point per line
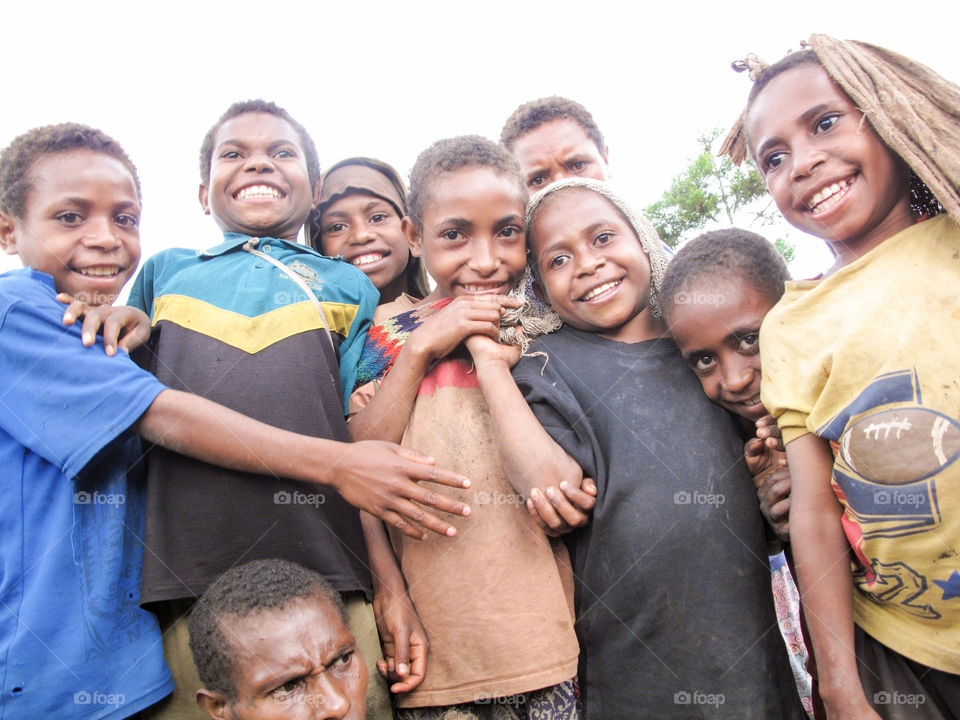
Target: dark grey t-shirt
674 608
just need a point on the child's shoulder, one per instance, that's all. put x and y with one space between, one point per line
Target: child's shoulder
25 285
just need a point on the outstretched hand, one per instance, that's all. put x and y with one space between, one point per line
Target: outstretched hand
122 326
383 479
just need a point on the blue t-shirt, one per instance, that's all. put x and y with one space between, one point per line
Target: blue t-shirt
74 642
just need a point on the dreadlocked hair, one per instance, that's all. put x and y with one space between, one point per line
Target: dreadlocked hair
912 109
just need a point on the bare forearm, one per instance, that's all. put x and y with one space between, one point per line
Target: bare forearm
822 556
531 458
383 562
197 427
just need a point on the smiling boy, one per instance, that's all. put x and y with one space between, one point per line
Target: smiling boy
274 330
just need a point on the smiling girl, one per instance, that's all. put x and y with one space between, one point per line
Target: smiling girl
860 367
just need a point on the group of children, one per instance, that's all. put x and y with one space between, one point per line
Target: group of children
561 528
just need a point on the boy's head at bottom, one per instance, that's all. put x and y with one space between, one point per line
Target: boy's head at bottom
70 207
596 262
270 639
259 171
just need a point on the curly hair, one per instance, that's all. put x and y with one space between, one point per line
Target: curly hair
535 113
452 154
19 157
258 106
731 253
251 588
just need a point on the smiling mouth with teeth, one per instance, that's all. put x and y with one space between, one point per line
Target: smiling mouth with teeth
366 259
100 271
599 289
829 196
258 192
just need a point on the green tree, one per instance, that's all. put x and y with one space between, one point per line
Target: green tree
714 190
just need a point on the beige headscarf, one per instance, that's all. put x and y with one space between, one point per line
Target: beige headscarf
649 240
915 111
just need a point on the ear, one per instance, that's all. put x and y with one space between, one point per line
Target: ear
317 187
204 197
214 704
413 235
606 155
8 233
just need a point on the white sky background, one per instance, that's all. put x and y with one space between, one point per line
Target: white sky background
385 79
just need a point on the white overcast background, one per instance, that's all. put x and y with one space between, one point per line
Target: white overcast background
387 79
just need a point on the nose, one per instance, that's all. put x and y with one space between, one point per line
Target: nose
737 376
588 262
483 258
330 698
362 234
101 233
258 162
806 157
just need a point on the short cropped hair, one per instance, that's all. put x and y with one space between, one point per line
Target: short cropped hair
251 588
535 113
258 106
452 154
730 253
19 157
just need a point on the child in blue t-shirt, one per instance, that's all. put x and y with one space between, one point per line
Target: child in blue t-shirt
73 639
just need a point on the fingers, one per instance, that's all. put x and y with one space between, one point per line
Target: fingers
582 500
534 512
417 669
556 512
589 486
434 474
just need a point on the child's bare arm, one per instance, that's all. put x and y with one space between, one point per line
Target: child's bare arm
378 477
402 636
122 326
822 556
386 415
531 458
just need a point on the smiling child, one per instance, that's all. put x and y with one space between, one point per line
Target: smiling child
358 216
672 589
495 602
271 328
860 368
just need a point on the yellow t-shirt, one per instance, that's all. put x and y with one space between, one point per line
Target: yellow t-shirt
869 359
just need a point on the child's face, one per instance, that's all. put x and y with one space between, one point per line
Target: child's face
298 661
259 183
472 239
828 172
80 224
556 150
365 230
716 325
592 267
